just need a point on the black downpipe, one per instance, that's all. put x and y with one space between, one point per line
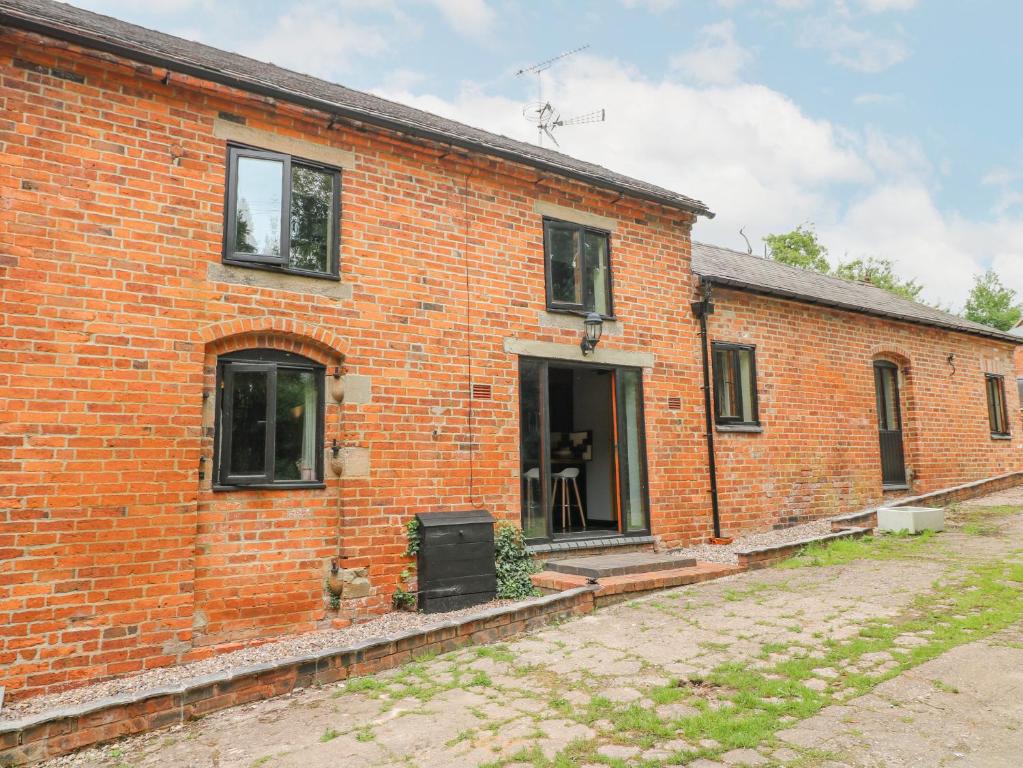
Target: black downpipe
701 309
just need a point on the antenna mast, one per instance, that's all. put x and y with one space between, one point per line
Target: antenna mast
542 113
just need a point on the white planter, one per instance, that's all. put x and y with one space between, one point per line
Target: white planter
910 519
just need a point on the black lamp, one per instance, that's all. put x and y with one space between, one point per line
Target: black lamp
593 326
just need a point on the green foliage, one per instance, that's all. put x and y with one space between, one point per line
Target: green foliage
992 303
335 599
514 565
891 546
404 600
412 534
330 734
799 248
881 274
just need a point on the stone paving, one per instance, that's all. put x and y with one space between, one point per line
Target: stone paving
899 653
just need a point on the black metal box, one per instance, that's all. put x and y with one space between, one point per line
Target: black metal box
456 560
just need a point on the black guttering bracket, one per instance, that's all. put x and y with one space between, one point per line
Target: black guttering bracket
729 282
98 41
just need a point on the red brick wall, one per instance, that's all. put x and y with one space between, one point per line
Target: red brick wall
819 449
115 554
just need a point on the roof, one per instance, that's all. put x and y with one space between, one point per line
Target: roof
745 271
99 32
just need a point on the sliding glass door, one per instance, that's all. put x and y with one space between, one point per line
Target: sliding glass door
582 459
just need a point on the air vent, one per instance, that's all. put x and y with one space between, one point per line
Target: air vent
481 392
675 403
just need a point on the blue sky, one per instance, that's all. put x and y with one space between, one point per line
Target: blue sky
892 125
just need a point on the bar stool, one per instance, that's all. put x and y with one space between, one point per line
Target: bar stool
531 475
561 480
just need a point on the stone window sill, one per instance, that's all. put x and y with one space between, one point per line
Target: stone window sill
996 436
749 428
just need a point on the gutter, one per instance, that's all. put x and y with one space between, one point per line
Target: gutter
99 42
730 282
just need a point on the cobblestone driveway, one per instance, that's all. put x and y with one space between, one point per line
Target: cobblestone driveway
891 652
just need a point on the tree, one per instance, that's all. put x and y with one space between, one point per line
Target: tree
881 274
992 303
799 248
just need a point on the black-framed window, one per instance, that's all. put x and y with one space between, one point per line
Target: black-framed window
735 384
269 428
997 413
281 212
578 267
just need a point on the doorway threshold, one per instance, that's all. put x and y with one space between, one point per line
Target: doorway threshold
589 541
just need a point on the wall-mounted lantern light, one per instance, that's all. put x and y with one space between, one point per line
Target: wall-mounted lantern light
593 326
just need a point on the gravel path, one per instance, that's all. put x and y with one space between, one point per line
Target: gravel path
384 625
725 553
389 623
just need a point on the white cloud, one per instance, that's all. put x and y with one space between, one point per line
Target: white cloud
654 6
853 48
882 6
314 39
469 18
717 58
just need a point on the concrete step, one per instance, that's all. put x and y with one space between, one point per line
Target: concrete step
611 589
618 564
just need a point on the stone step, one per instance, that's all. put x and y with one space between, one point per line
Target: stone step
612 588
619 564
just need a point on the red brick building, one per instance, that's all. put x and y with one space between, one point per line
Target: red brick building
254 322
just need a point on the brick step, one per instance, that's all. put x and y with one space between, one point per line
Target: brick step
611 588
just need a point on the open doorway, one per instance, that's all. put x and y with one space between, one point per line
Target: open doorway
583 467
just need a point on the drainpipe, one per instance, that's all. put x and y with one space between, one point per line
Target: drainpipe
701 309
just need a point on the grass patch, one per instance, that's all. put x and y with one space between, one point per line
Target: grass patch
329 735
890 546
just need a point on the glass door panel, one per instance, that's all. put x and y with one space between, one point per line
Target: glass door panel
631 449
533 473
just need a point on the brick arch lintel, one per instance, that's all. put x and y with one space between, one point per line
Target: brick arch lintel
281 333
895 353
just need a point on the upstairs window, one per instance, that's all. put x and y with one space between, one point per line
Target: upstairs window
578 268
997 414
282 213
735 384
269 429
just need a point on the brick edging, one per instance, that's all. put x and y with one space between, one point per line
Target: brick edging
66 729
761 557
963 492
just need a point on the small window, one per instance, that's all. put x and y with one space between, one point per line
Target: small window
269 427
282 213
578 268
998 415
735 384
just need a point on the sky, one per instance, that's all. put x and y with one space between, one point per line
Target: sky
891 126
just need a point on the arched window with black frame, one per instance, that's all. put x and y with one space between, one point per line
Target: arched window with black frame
269 427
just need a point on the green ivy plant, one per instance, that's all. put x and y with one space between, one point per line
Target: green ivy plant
404 600
514 565
412 534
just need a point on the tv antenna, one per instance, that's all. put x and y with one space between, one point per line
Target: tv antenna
542 113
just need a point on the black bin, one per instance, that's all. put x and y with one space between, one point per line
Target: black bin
456 560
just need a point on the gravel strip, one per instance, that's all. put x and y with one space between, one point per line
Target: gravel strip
725 553
295 645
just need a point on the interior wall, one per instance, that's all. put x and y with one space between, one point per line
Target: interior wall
592 392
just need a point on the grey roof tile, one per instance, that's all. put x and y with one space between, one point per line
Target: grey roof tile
95 30
742 270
